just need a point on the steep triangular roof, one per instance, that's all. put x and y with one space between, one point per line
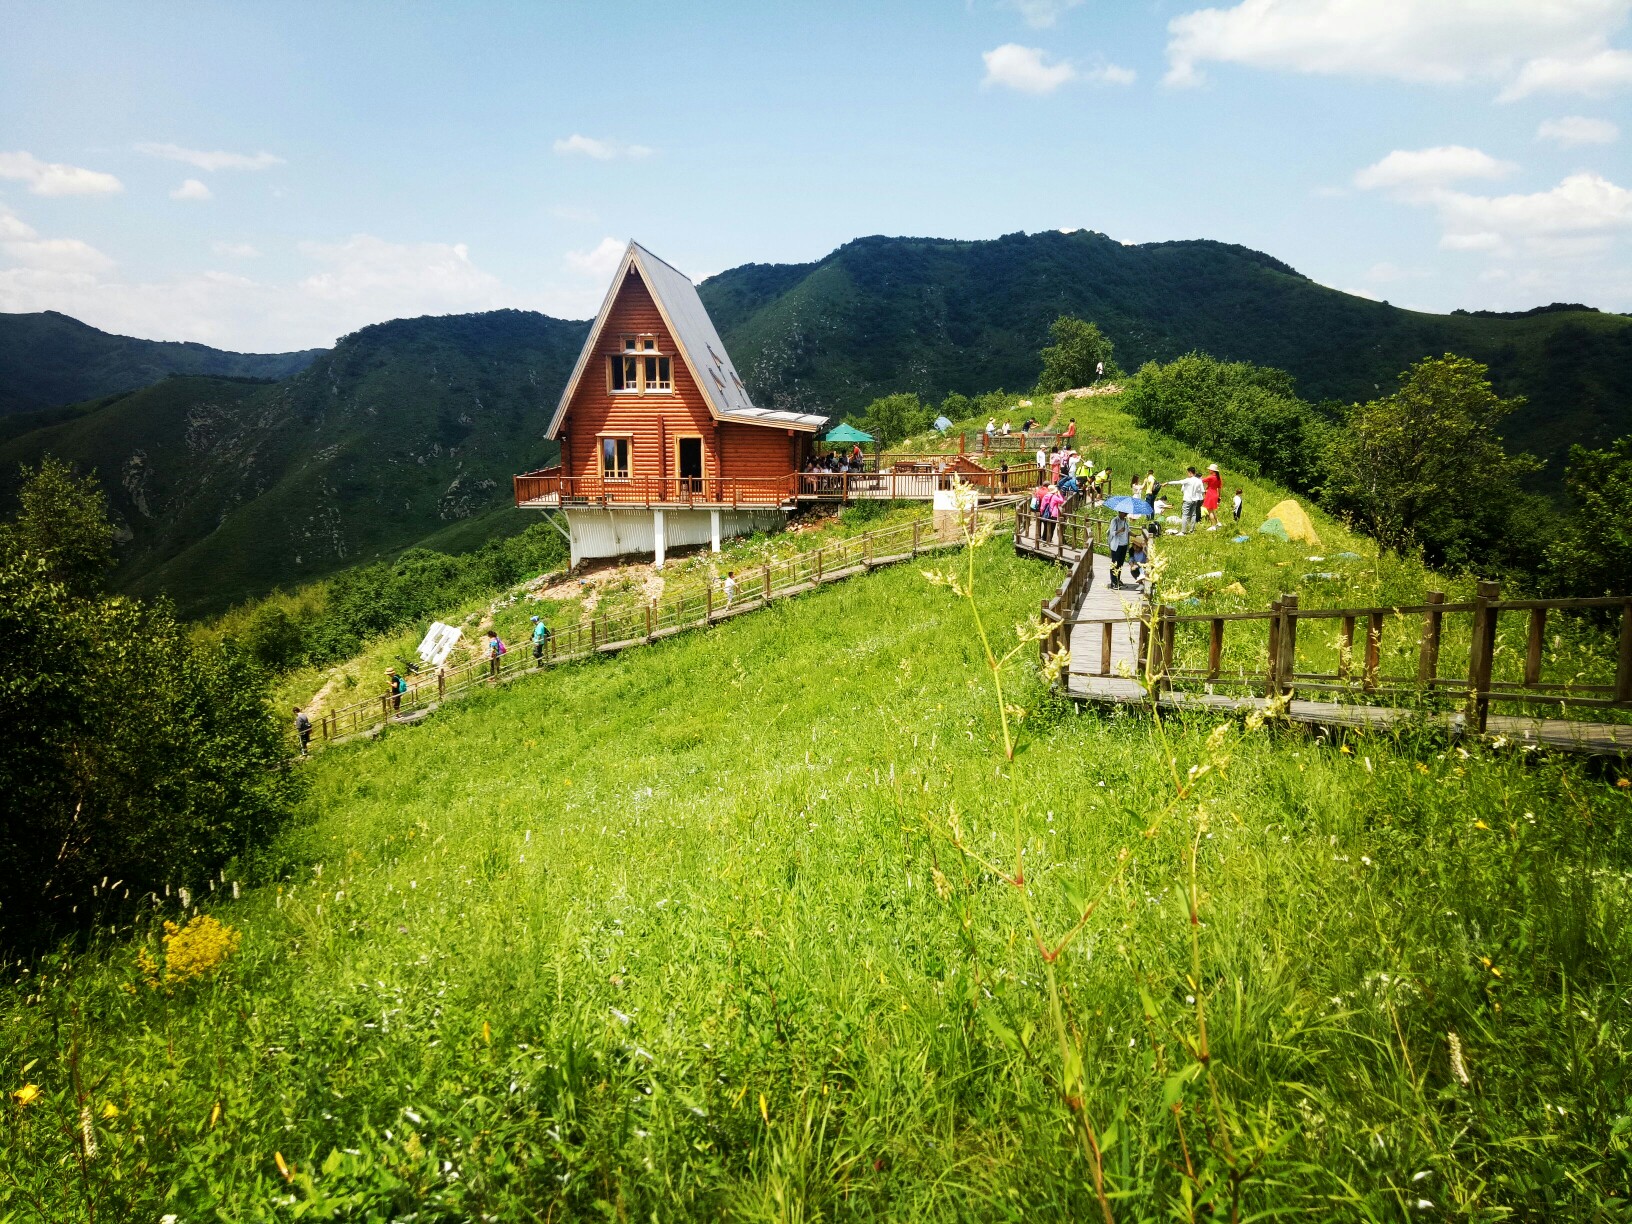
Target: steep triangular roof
699 344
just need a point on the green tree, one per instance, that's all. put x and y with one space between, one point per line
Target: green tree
1424 469
893 417
133 754
1591 554
1071 361
63 524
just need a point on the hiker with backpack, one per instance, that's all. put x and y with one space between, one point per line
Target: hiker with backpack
398 687
541 635
303 729
495 651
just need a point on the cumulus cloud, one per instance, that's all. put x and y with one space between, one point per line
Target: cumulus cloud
436 277
1595 71
601 150
1526 45
192 189
1413 170
218 159
1042 14
1110 74
55 178
1580 204
1575 130
1026 69
601 262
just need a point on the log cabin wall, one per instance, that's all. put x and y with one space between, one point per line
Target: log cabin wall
652 421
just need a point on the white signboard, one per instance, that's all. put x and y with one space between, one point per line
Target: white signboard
945 499
438 642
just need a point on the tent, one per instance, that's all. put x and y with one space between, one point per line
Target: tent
1293 521
846 434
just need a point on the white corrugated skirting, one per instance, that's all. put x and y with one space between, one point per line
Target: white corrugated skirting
617 533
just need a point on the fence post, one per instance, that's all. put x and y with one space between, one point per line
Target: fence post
867 551
1428 657
592 633
1106 629
1481 657
1287 666
1374 650
1272 669
1043 646
708 604
1532 653
1165 680
1215 649
385 709
917 526
441 683
648 620
818 567
1623 666
767 582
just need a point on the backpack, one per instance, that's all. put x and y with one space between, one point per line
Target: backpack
502 649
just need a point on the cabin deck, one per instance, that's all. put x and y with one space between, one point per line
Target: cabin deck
550 490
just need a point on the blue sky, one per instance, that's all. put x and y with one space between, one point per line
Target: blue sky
271 176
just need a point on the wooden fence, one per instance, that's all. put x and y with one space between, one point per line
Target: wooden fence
693 608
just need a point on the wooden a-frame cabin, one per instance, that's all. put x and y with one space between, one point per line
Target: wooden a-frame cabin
660 444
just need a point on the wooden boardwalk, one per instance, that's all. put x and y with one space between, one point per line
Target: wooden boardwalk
1105 658
1103 628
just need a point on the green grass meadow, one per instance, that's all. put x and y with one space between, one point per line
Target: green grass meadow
729 927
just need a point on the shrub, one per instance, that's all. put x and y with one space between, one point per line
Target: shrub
1071 361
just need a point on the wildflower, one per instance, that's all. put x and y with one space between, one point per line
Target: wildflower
1624 783
1458 1067
190 952
1479 824
110 1110
27 1094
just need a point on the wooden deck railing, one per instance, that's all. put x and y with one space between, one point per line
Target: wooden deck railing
1466 651
694 607
549 488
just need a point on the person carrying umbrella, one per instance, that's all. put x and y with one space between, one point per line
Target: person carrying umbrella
1117 539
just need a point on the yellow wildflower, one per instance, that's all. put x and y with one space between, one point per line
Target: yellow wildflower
27 1094
191 952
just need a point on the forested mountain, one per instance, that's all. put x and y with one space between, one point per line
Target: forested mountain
412 428
226 488
48 359
930 315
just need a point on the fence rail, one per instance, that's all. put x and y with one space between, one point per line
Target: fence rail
693 608
910 480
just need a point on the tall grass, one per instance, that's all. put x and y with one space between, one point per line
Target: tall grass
661 936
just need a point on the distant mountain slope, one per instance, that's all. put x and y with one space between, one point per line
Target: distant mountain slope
229 488
48 359
931 315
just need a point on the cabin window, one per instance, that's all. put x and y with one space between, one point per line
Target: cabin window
614 458
637 371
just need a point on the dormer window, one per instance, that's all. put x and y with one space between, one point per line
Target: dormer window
639 369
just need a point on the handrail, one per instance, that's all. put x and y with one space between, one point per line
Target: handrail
533 488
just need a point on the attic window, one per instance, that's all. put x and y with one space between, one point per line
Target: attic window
638 371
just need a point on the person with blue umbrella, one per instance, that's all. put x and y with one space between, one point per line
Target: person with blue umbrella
1117 540
1130 505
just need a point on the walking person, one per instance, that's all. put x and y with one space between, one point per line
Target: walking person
303 729
495 651
1212 485
398 686
1042 461
1191 492
1117 539
1099 371
730 586
541 635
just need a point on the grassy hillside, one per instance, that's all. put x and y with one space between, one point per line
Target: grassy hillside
682 934
881 315
47 359
405 429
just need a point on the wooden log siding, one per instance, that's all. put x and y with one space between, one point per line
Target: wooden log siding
652 421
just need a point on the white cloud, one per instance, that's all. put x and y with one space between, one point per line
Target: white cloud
1042 14
434 277
206 160
54 178
234 250
601 150
1110 74
1025 69
1412 170
1582 203
192 189
1482 241
601 262
1527 45
1595 71
1575 130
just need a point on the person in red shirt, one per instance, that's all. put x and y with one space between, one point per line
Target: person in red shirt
1211 484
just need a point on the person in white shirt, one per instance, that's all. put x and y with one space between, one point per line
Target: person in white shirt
991 426
1191 491
1042 460
1116 539
1005 429
730 586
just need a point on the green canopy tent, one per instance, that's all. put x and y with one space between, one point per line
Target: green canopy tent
846 434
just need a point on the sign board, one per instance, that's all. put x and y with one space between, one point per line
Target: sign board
439 641
946 499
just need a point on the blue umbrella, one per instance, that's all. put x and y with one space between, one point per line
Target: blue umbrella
1132 505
